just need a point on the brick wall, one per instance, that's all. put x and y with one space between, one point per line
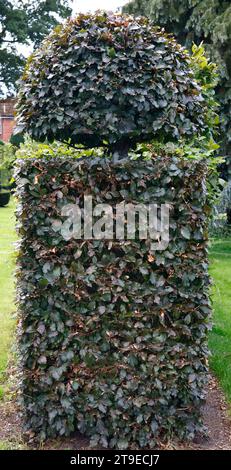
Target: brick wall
6 128
6 118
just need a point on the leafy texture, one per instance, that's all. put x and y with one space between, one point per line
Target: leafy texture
7 156
112 337
110 80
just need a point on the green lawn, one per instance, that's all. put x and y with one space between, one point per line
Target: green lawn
7 238
220 337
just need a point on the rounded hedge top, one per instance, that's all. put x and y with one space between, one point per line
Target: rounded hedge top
109 79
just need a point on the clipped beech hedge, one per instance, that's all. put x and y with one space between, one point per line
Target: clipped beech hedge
110 79
112 337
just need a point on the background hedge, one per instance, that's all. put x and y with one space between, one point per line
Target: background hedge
112 338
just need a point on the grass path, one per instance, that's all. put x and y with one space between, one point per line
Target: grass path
7 238
220 337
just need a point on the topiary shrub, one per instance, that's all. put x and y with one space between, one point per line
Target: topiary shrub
112 337
113 80
4 199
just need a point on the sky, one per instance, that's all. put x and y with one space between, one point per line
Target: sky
91 5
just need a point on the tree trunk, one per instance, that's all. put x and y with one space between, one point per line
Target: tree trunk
228 213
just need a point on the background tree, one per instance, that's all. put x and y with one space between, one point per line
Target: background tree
24 22
195 21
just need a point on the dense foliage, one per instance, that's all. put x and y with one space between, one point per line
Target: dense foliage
195 21
220 225
112 337
32 149
24 22
109 80
7 156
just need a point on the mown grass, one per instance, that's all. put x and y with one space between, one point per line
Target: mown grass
220 337
7 239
